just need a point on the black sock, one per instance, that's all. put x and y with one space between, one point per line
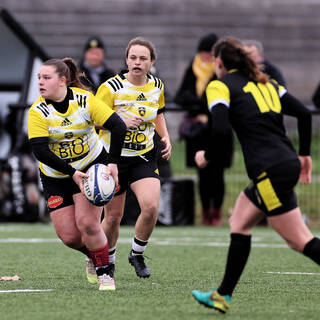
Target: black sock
312 250
101 270
84 250
239 250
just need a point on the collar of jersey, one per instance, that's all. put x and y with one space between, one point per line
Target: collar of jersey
232 70
62 106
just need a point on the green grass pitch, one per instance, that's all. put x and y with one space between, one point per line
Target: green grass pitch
277 283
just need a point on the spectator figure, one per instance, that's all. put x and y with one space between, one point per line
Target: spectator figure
256 50
93 64
195 130
316 97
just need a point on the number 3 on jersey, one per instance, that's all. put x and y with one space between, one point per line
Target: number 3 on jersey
265 96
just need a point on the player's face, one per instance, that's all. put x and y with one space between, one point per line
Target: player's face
49 82
94 57
139 60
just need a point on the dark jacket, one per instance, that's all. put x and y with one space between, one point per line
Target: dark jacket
197 135
87 81
316 97
273 72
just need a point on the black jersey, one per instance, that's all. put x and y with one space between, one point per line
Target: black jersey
255 113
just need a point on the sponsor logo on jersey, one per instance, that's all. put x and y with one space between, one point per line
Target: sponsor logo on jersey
141 97
68 135
54 201
142 111
65 122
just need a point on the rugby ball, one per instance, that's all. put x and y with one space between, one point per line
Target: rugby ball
98 188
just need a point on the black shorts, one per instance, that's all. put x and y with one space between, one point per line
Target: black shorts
132 169
58 192
273 191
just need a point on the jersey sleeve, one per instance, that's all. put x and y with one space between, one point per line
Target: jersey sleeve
99 110
280 88
217 93
161 99
104 93
37 126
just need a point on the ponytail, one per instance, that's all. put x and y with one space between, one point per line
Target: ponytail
234 56
67 68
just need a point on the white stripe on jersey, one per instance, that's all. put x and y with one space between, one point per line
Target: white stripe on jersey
218 101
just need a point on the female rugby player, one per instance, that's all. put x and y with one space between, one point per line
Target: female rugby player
63 137
254 106
138 98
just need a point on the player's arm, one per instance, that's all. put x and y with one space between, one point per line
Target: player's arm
40 148
219 133
118 132
39 139
293 107
162 130
218 98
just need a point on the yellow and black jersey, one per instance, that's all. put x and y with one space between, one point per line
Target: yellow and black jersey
128 100
72 136
255 111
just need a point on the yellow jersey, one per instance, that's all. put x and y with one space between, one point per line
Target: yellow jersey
129 100
72 135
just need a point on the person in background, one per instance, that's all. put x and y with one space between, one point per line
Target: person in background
244 97
93 64
61 125
256 50
196 133
316 97
138 98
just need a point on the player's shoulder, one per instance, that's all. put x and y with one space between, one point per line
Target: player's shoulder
157 81
40 106
81 92
115 83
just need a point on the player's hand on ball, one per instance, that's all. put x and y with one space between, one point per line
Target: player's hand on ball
78 177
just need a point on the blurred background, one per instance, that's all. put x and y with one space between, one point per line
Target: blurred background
288 29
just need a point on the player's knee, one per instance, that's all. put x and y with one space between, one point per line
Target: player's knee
149 210
71 240
87 226
113 218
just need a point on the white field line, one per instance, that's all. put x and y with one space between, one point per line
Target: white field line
185 241
24 290
29 240
295 273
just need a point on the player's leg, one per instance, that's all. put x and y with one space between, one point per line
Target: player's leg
147 191
87 218
113 213
64 224
111 226
245 216
295 232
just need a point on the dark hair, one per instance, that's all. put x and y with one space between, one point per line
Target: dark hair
233 56
142 42
67 68
206 43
